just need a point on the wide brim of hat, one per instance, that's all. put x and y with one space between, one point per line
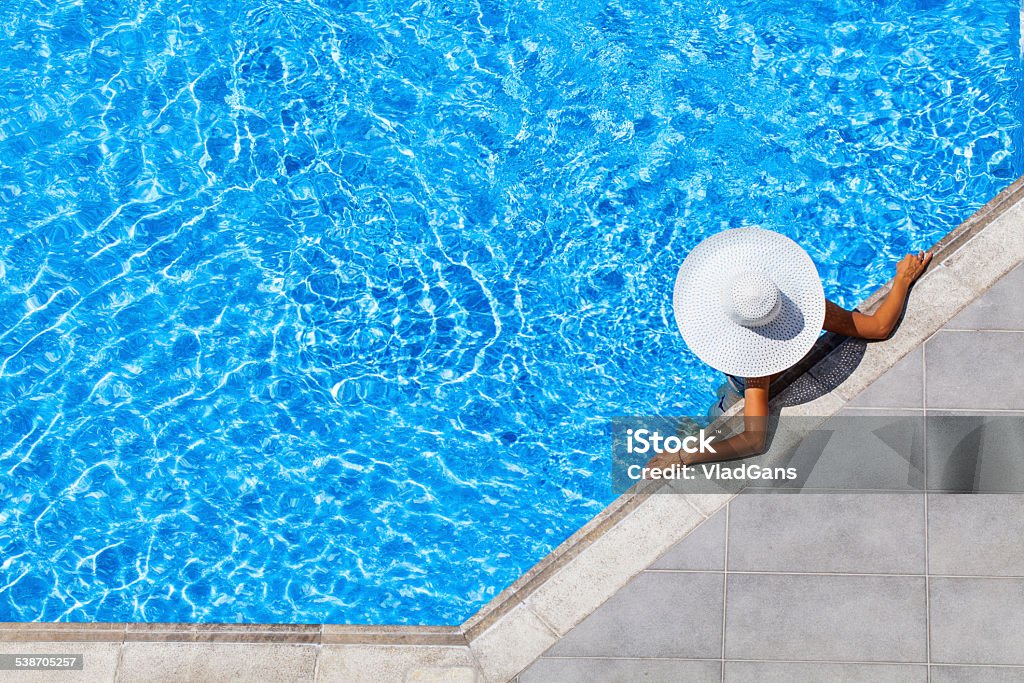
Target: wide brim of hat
723 343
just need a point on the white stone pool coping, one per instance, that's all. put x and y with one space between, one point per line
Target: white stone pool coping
524 620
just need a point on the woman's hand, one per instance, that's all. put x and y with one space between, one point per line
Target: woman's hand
663 460
913 266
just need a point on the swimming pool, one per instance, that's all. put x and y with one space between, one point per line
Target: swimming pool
319 312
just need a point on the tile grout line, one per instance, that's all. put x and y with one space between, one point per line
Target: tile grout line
830 491
880 662
319 652
975 410
117 662
927 564
554 631
725 585
883 662
968 329
881 575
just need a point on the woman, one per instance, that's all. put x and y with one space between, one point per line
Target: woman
765 316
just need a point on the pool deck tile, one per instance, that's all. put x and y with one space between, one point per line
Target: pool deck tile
816 672
606 670
657 614
900 387
992 548
399 663
703 549
511 643
216 662
976 451
854 618
880 533
709 503
977 620
1002 307
992 253
967 370
976 674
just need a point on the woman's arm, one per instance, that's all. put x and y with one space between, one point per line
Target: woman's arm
881 323
753 439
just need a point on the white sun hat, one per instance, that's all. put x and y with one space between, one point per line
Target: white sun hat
749 302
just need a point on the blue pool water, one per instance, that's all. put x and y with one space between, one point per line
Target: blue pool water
320 311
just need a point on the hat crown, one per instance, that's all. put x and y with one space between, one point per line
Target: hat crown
721 330
751 299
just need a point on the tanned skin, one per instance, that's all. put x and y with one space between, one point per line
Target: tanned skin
878 325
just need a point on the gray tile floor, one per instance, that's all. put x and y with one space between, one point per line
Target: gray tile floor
848 586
